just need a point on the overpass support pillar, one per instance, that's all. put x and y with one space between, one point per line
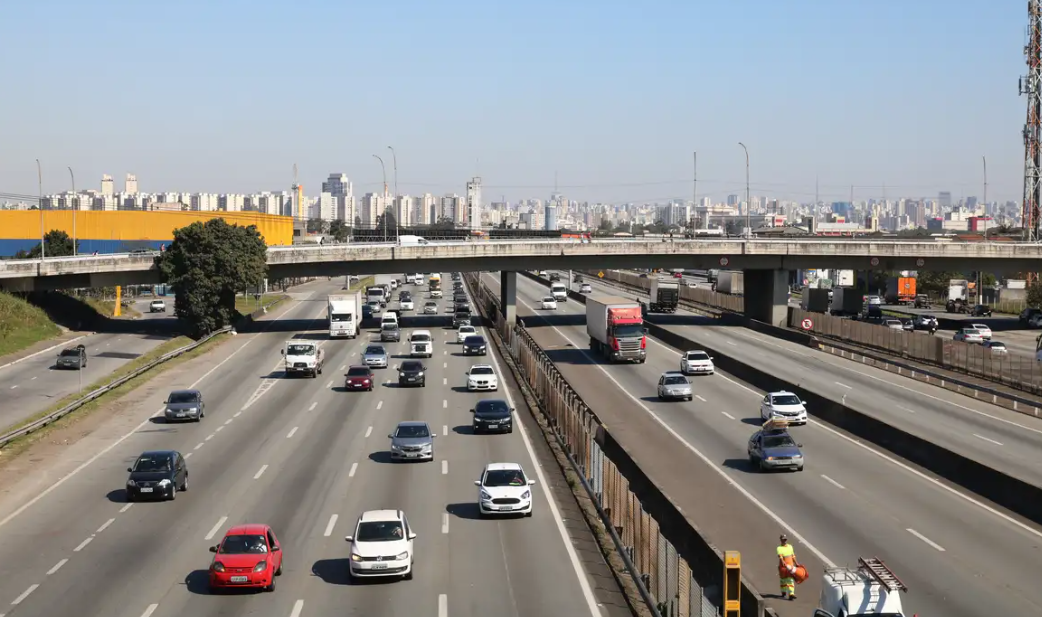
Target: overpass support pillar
767 296
508 296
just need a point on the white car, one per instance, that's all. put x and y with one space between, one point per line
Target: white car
783 406
464 332
968 335
435 293
421 344
504 488
382 545
985 331
996 347
875 301
482 377
893 324
394 284
410 279
430 308
157 306
549 303
697 363
585 288
406 305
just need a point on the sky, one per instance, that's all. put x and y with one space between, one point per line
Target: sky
612 98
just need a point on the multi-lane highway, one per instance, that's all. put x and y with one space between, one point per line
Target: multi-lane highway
306 458
959 556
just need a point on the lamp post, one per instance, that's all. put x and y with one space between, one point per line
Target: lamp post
397 197
75 207
383 168
39 206
748 201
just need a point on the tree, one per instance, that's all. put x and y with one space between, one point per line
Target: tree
444 222
1034 295
207 264
388 218
339 230
57 242
317 226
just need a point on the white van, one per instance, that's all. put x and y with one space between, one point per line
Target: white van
559 292
388 317
412 241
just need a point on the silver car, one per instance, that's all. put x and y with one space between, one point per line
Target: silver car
184 405
673 386
412 441
430 308
375 356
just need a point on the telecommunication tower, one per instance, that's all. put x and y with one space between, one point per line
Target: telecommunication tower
1031 85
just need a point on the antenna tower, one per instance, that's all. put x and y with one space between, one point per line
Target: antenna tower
1031 86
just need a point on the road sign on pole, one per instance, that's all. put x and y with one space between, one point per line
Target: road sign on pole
806 324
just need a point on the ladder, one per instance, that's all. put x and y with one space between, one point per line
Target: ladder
878 570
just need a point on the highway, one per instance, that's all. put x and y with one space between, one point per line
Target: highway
306 458
958 556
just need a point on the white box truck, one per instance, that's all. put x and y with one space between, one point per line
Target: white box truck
664 295
344 312
616 328
869 589
303 357
731 282
559 291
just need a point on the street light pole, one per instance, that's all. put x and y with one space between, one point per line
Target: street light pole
383 168
39 206
397 197
75 207
748 201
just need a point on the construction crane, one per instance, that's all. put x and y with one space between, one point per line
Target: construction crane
1031 86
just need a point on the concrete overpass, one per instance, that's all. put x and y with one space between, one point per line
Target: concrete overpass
765 262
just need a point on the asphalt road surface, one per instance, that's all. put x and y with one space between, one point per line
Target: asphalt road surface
307 458
959 556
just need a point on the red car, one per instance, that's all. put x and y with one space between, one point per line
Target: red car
678 275
249 556
359 378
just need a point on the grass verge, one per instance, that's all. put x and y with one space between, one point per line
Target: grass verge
107 308
247 305
22 324
16 447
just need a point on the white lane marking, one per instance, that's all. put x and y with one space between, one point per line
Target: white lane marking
445 522
210 436
151 609
313 405
369 431
105 525
905 408
444 467
260 472
843 385
925 539
198 445
445 365
298 606
216 528
832 482
343 367
354 468
379 405
14 386
25 594
444 429
229 421
731 343
186 456
33 379
444 404
292 431
700 398
705 459
580 573
219 429
443 605
237 414
128 506
445 353
444 381
997 443
83 544
728 415
330 384
330 525
57 566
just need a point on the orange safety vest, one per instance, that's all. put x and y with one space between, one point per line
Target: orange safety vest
788 557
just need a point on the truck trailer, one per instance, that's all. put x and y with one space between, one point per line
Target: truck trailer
847 301
616 328
344 311
664 296
900 290
730 282
815 300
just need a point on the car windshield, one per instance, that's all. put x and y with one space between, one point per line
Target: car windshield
374 351
492 409
357 371
893 322
341 317
674 381
183 397
778 441
244 544
697 355
474 340
70 352
379 531
431 304
412 431
504 477
421 338
785 399
466 329
997 345
482 370
409 367
300 350
152 464
549 299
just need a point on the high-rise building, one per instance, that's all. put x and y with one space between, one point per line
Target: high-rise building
107 188
426 210
550 216
451 208
131 185
403 210
944 198
474 203
326 206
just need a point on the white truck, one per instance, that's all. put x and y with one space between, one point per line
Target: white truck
559 291
376 293
344 312
663 296
869 589
421 344
730 282
303 358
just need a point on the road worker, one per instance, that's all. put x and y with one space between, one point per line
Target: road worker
786 568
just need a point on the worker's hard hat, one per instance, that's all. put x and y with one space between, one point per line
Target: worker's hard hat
783 538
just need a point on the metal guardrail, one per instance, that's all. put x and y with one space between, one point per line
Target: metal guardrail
662 576
36 425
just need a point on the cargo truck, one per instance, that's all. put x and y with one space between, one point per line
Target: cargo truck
559 291
843 278
376 293
847 301
664 295
303 357
815 299
900 290
344 312
958 294
869 589
434 285
731 282
616 328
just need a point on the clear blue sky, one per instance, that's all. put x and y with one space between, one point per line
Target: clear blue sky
226 95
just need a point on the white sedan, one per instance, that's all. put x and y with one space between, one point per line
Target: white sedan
783 406
464 332
407 305
697 363
549 303
482 377
968 335
985 331
382 545
504 488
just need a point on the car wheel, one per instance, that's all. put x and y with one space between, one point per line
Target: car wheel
173 492
279 571
184 485
270 588
511 429
529 513
408 575
130 497
689 398
800 468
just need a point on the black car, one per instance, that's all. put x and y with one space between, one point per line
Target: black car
456 276
73 357
554 277
390 333
475 345
493 415
981 310
457 286
411 373
458 298
404 296
460 318
157 474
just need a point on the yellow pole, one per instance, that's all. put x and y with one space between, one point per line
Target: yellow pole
118 310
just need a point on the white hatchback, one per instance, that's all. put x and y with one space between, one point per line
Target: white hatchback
549 303
382 545
697 363
464 332
504 488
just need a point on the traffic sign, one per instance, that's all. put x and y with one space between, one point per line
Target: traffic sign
600 274
920 262
806 324
874 261
724 261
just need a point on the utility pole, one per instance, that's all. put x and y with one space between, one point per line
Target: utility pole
397 197
694 193
39 206
987 227
75 207
748 200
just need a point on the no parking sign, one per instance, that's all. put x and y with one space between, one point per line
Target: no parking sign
806 324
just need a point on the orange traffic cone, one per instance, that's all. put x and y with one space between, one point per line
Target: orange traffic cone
800 574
